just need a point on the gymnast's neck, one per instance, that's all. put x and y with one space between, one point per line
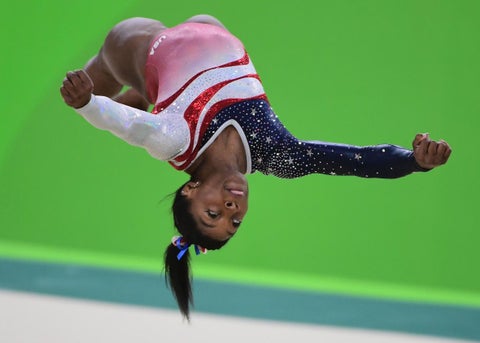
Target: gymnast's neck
225 154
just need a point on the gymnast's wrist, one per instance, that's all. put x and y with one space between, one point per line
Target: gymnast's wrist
418 167
87 105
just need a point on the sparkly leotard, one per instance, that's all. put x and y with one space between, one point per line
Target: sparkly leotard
273 150
201 81
196 70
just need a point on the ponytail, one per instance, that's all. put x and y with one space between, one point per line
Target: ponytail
177 270
178 277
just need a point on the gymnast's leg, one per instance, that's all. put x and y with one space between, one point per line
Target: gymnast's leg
121 61
104 83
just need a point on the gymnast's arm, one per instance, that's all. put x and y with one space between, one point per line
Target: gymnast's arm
378 161
163 136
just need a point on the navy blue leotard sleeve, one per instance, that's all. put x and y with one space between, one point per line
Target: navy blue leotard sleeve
274 150
296 158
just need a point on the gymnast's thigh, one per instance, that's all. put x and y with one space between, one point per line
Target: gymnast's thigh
125 50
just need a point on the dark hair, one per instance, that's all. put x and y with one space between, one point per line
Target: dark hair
177 272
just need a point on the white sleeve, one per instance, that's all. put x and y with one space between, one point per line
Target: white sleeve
164 135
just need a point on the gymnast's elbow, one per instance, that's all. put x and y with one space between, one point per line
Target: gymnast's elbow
165 147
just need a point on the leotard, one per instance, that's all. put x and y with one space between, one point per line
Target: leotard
201 80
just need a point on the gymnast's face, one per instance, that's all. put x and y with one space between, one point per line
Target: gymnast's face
218 204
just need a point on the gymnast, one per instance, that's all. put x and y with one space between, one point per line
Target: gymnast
212 120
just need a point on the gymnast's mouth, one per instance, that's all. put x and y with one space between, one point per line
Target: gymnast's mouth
236 185
237 192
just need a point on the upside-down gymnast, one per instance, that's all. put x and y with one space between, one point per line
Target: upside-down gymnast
212 120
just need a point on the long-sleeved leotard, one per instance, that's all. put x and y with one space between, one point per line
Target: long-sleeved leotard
195 102
269 147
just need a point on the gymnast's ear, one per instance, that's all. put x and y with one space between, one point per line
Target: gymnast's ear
190 188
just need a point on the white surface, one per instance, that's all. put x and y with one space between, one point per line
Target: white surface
27 317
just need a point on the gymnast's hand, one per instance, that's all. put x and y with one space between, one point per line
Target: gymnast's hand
77 88
430 154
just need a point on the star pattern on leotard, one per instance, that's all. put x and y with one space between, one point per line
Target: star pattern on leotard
273 150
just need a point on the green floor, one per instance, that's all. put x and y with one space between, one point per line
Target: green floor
148 289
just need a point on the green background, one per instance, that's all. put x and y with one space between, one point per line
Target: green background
358 72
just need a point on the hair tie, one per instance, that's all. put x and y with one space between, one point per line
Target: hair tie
183 246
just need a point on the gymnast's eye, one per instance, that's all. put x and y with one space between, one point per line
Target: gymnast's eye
212 214
236 223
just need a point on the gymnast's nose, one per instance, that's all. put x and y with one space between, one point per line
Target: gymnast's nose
231 205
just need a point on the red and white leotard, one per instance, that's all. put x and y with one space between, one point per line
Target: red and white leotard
195 70
192 72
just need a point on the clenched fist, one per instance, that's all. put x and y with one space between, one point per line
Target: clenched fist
77 88
430 154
